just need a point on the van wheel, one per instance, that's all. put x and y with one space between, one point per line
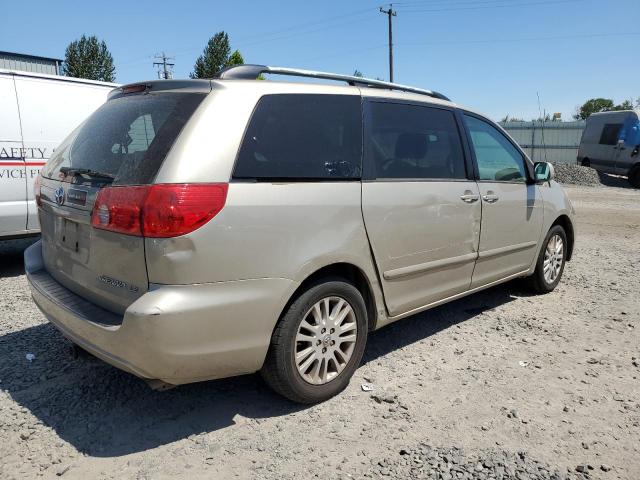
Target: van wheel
318 343
586 162
551 260
634 177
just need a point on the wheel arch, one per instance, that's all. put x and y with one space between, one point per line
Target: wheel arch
565 222
633 167
349 272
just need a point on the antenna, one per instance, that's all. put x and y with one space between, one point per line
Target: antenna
544 146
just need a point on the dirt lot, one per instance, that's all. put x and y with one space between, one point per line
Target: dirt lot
534 384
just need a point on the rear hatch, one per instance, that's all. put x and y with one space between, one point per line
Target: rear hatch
123 144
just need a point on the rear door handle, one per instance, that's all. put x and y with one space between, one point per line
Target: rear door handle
490 198
469 198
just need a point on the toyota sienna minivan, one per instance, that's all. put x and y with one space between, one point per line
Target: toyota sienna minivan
201 229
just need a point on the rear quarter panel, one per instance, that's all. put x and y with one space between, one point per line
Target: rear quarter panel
268 230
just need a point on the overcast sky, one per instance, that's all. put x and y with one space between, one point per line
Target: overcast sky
491 55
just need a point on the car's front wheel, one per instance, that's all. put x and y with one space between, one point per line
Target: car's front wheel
551 260
318 343
634 177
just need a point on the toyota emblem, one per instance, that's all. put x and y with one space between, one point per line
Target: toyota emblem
59 193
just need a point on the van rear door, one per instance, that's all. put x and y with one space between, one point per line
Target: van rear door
121 147
13 184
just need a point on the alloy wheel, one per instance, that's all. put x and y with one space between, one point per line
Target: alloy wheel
325 340
553 259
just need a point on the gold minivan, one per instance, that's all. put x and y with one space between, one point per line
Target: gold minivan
201 229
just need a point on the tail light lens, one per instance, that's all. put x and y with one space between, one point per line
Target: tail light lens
158 211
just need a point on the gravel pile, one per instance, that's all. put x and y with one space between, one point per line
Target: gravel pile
576 175
429 462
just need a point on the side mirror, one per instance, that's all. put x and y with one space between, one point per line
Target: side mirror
543 172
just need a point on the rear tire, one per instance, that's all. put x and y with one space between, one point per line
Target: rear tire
586 162
634 177
551 261
318 342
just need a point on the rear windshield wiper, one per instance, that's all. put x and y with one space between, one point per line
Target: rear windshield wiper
87 172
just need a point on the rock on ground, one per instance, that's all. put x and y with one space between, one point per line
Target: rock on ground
576 175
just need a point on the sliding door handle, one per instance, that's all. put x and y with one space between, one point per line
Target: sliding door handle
490 198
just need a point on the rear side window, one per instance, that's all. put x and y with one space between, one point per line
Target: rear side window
414 142
127 138
610 134
299 136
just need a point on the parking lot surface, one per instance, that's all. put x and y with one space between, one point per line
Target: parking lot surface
501 384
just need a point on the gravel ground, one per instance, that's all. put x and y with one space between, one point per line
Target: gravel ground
576 175
501 384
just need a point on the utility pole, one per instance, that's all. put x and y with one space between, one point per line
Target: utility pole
166 72
390 14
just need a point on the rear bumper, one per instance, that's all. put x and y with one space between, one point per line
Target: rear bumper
174 333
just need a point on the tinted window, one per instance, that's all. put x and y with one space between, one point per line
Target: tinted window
409 141
127 137
610 133
303 137
591 132
497 158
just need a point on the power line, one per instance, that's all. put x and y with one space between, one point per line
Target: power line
307 24
485 7
297 30
442 3
524 39
390 13
165 68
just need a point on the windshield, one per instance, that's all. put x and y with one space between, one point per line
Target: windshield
125 141
630 133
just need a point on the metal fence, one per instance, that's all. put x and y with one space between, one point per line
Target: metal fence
547 141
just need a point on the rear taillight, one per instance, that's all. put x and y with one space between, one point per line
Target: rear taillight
158 211
36 190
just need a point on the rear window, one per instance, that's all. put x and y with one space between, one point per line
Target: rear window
127 138
300 136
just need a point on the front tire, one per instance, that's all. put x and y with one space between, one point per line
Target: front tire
634 177
551 261
318 343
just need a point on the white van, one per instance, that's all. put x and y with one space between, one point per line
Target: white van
37 112
611 144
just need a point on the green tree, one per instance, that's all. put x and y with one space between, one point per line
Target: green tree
235 59
626 105
507 118
89 58
593 105
216 56
357 73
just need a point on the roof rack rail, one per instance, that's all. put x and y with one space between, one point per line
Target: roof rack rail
251 72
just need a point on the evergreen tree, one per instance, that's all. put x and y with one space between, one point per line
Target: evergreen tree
216 56
89 58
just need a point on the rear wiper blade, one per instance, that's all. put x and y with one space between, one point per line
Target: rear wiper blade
86 171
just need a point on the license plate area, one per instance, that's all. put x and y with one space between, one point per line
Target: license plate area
68 234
